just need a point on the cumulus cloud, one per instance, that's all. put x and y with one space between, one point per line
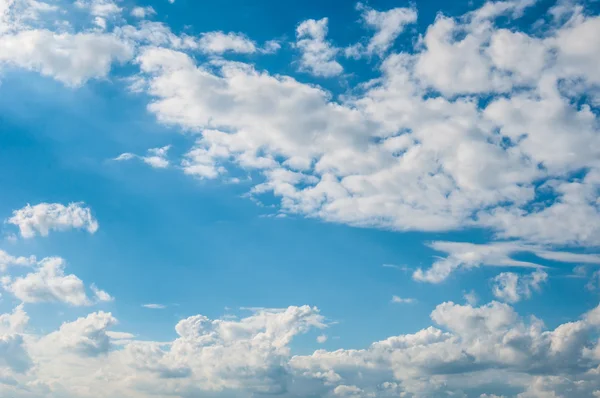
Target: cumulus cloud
48 283
470 351
143 12
6 260
156 157
388 25
317 54
219 43
45 217
393 156
512 287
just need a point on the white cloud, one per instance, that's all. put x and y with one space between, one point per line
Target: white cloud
143 12
322 339
86 336
45 217
400 300
99 8
388 25
481 351
70 58
6 260
100 294
317 54
219 43
471 298
154 306
335 160
512 287
48 283
156 157
466 255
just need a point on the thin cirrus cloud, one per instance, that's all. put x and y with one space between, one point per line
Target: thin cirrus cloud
154 306
42 218
403 300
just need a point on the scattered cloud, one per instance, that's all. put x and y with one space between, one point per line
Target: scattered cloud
154 306
317 54
219 43
143 12
322 339
101 295
48 283
388 25
512 288
156 157
400 300
45 217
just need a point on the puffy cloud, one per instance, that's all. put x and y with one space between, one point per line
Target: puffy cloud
219 43
143 12
512 287
317 54
481 351
49 283
13 354
6 260
393 156
86 336
156 157
99 8
45 217
388 25
100 294
70 58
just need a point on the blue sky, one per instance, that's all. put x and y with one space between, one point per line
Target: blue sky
320 180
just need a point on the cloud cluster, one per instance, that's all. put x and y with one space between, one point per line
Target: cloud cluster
458 134
472 351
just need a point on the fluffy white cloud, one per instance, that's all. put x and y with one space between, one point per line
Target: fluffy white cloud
70 58
512 287
473 352
317 54
48 283
100 294
45 217
393 156
99 8
6 260
156 157
219 43
143 12
388 25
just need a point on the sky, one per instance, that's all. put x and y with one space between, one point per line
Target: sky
247 198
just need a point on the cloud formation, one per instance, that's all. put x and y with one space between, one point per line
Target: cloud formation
472 351
45 217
